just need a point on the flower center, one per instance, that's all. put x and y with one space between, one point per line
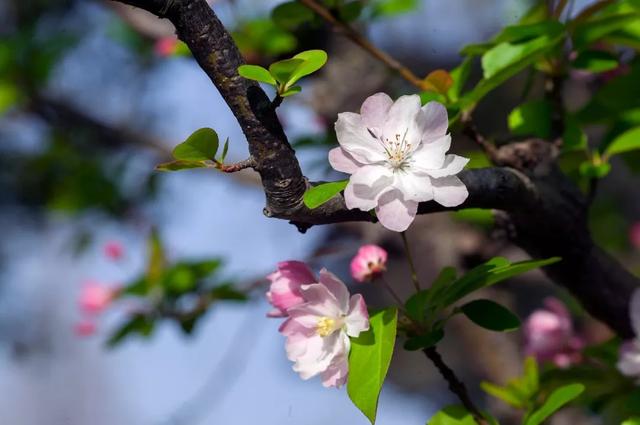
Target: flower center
398 149
326 326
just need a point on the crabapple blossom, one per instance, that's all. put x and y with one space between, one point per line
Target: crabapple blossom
85 328
113 250
284 291
396 155
368 263
549 335
629 359
95 297
318 329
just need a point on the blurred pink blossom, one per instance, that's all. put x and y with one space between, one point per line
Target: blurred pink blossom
284 291
634 235
84 328
369 262
318 330
549 335
113 250
95 297
629 358
166 46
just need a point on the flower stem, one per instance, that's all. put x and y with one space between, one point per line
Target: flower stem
393 293
414 275
455 385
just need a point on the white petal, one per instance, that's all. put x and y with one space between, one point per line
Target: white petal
635 312
342 161
337 288
319 354
449 191
433 121
374 110
366 185
320 302
453 164
354 137
358 318
431 155
414 187
401 119
394 212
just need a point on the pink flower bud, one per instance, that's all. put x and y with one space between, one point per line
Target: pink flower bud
369 262
166 46
634 235
284 291
84 328
95 298
113 250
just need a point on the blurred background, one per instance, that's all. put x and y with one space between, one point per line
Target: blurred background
94 94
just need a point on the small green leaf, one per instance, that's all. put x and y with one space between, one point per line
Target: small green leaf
554 402
512 398
457 415
594 29
531 119
180 165
632 421
291 91
139 324
369 361
350 11
290 15
417 304
318 195
573 138
313 60
626 142
424 341
202 145
256 73
388 8
595 61
460 75
283 70
531 375
591 170
490 315
225 149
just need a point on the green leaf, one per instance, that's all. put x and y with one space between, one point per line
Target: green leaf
531 377
225 150
457 415
421 342
554 402
291 91
520 33
388 8
283 70
596 61
202 145
591 170
460 75
587 32
439 287
318 195
228 292
416 305
180 165
531 119
350 11
505 394
369 361
313 60
573 138
139 324
256 73
626 142
478 216
632 421
490 315
9 96
290 15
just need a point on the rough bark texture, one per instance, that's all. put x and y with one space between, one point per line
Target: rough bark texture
547 214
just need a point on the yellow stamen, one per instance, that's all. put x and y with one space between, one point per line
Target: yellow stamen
325 326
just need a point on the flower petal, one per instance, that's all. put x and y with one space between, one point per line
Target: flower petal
453 164
374 110
414 187
394 212
336 374
337 288
354 137
431 155
366 185
342 161
433 121
449 191
319 354
358 318
401 119
320 302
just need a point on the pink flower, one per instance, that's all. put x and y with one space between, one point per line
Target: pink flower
634 235
284 291
166 46
318 330
368 263
396 153
84 328
113 250
629 357
549 335
95 297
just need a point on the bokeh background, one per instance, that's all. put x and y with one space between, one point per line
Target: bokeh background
90 103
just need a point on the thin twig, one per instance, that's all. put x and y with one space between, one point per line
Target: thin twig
393 293
232 168
471 131
591 10
414 274
455 385
361 41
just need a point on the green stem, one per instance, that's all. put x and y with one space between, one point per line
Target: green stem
414 275
393 293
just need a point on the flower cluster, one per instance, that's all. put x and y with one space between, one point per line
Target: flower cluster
320 317
396 155
549 335
629 360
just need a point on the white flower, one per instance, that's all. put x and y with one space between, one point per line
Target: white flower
629 360
396 155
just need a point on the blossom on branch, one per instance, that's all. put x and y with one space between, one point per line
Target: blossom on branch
629 359
113 250
369 262
396 153
95 297
284 291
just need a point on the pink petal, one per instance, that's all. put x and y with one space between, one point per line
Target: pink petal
449 191
320 302
368 262
366 185
395 213
431 155
433 121
358 318
336 374
354 137
319 354
342 161
453 164
414 187
284 291
374 110
401 118
337 288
